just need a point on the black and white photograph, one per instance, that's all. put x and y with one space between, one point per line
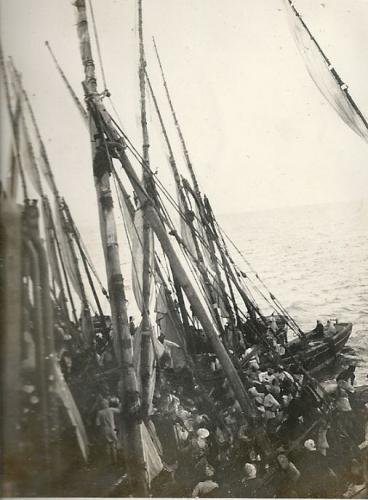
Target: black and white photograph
184 248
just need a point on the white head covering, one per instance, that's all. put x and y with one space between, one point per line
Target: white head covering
250 471
310 445
203 433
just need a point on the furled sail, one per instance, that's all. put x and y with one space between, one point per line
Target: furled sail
324 75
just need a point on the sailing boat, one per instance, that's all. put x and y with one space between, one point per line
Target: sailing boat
221 289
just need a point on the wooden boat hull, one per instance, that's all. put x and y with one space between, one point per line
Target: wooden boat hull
317 354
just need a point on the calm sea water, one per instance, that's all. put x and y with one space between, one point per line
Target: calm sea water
315 261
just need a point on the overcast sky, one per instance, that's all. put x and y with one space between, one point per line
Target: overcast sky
259 132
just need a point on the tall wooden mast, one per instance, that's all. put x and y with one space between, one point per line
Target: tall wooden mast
106 142
128 389
146 345
188 216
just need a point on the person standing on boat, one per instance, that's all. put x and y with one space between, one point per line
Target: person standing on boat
317 479
348 375
330 329
208 486
105 422
132 327
288 477
319 330
250 485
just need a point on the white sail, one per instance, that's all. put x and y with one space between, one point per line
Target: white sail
324 76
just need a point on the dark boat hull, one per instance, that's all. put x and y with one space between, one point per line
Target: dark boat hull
317 354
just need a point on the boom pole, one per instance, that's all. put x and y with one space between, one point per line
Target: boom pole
122 340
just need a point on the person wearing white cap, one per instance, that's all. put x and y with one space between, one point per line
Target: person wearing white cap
204 488
317 479
249 485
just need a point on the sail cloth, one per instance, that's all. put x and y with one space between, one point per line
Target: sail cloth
152 458
62 390
324 75
167 326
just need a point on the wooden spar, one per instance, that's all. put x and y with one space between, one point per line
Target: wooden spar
47 171
83 257
14 128
80 107
45 202
189 220
116 147
200 311
89 331
211 246
65 274
49 229
177 125
178 290
65 227
146 370
128 389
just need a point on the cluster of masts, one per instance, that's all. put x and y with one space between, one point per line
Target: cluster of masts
210 288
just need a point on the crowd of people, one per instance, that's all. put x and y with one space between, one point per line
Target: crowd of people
299 443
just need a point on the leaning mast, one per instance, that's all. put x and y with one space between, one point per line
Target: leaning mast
147 238
123 348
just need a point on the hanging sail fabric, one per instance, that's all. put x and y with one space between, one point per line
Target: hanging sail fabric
168 328
62 390
324 75
152 458
202 237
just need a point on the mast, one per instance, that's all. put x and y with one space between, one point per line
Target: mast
106 141
74 232
146 343
177 125
66 227
122 340
80 107
188 219
200 311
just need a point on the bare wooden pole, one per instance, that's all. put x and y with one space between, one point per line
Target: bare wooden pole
147 378
128 389
192 295
188 215
177 125
74 96
115 146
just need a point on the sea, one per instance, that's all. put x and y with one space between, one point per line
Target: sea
314 260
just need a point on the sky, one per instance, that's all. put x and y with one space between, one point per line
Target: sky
259 132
